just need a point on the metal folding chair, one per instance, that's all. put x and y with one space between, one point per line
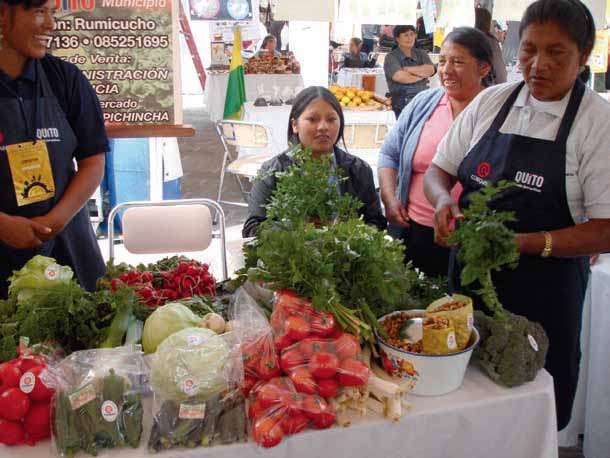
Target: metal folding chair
364 135
169 226
242 134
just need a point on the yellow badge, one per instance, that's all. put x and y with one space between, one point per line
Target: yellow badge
31 172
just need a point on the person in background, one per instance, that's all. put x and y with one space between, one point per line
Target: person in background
406 68
50 118
549 135
370 33
464 67
483 23
268 47
356 58
316 122
386 37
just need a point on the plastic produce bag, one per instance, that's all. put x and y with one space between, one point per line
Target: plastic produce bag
98 401
277 410
195 377
260 359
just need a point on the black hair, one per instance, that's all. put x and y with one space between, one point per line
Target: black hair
27 4
266 41
482 20
357 41
477 45
403 29
572 17
302 101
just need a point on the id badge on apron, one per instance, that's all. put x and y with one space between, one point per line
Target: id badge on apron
31 171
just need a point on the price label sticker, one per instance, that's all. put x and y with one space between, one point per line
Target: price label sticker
451 342
27 382
81 397
192 411
52 272
189 387
193 341
110 411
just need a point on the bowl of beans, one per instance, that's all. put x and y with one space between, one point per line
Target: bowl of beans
401 346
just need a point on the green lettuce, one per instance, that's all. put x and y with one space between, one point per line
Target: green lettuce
40 272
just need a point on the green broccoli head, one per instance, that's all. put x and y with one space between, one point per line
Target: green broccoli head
506 351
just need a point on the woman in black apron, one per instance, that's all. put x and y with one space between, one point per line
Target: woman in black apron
42 196
549 284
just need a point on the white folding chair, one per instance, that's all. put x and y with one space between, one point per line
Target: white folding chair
242 134
169 226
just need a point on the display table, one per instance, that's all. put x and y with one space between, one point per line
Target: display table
479 420
591 413
353 77
216 89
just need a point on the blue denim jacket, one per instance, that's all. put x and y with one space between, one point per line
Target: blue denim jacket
401 142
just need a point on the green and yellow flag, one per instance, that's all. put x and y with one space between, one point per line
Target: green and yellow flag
236 88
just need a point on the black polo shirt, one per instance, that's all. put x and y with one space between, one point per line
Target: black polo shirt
76 97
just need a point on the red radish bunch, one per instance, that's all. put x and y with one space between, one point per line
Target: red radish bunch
277 410
24 401
188 279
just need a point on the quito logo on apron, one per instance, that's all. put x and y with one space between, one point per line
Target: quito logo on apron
529 181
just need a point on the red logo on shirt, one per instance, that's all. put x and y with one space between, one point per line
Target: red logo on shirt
484 169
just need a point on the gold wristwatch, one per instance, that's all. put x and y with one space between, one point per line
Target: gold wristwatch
548 245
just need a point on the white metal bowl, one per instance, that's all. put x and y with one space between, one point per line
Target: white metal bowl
430 375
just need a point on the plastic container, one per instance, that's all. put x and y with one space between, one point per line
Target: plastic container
430 375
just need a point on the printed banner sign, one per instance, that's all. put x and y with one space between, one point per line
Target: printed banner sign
126 48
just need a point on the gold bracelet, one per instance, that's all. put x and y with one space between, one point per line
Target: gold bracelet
548 245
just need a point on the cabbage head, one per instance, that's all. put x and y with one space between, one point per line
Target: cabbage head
38 273
164 322
190 364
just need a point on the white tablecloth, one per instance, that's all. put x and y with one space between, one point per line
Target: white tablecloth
216 89
591 413
353 77
479 420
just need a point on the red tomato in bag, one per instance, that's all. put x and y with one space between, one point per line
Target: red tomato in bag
25 363
11 432
267 432
40 392
319 411
311 345
291 303
303 381
322 324
294 424
14 404
296 328
328 388
268 367
37 422
270 394
353 373
9 376
323 365
291 359
347 346
282 341
255 409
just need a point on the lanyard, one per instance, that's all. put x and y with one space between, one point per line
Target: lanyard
31 124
